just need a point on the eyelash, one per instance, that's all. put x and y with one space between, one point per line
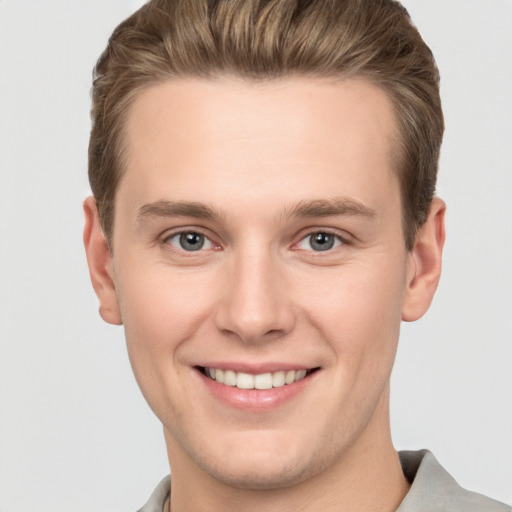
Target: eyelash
338 241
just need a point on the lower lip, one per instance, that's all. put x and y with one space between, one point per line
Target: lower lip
255 400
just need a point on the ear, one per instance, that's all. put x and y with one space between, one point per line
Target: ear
425 264
100 264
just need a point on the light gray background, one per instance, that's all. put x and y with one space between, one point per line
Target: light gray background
75 433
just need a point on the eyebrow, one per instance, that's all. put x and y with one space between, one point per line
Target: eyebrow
164 209
330 208
304 209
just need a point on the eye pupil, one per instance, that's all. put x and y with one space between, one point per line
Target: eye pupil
191 241
322 241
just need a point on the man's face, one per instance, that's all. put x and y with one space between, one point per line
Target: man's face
258 238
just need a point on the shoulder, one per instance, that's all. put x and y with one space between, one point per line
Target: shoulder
433 489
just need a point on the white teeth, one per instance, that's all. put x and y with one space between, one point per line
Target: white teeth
244 380
299 375
278 379
230 378
290 377
261 381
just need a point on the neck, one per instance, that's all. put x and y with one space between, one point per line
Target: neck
368 477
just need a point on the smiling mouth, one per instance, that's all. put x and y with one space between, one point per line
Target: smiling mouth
267 380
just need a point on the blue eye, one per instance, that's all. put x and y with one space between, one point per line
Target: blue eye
320 241
189 241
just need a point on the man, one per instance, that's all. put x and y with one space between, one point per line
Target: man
263 219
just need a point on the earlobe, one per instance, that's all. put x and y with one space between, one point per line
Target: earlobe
100 264
425 264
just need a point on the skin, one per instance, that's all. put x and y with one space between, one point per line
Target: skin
258 295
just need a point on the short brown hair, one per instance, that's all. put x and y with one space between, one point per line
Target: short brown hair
270 39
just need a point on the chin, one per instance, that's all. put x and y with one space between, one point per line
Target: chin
262 463
274 474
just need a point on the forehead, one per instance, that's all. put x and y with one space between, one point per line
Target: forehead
222 135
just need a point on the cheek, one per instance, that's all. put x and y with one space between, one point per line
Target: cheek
162 307
358 310
161 310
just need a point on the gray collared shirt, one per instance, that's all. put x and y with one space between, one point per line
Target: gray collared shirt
432 490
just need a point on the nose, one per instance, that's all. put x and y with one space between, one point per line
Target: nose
256 305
